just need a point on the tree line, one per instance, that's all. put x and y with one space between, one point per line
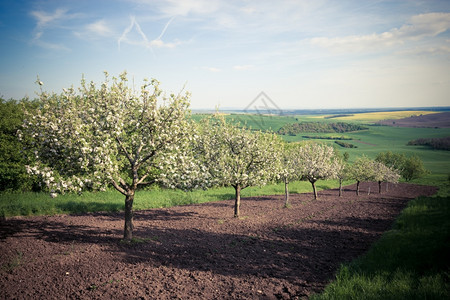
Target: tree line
110 135
434 143
319 127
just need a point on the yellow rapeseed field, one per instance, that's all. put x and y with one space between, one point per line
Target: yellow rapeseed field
384 115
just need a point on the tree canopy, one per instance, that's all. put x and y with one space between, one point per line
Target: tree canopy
95 136
409 167
318 161
239 157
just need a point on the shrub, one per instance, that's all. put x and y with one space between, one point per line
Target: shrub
435 143
318 127
13 175
409 167
345 145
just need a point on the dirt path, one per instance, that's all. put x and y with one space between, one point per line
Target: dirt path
198 251
365 143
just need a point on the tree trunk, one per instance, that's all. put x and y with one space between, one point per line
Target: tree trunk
128 230
379 187
357 188
313 183
368 192
286 193
340 187
237 202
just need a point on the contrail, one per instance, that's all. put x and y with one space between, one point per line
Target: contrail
147 43
165 28
126 31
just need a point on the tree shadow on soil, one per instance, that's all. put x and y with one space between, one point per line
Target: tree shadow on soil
304 254
299 255
54 231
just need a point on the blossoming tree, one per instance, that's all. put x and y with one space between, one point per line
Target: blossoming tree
240 157
96 136
365 169
384 174
290 168
342 169
318 161
362 170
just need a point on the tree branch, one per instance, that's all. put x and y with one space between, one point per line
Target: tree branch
118 187
125 150
140 181
138 165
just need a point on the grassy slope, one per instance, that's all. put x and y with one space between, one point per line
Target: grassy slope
410 261
29 204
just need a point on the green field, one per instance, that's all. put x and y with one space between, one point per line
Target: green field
383 138
369 142
410 261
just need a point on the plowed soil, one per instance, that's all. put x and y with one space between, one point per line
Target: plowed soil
438 120
198 251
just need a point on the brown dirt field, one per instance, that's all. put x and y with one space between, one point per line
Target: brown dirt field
438 120
198 251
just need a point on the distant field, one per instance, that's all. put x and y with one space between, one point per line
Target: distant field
383 138
440 120
369 142
258 122
376 116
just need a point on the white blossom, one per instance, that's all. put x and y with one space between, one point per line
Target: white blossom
94 137
317 161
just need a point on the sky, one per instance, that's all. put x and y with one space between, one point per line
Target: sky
298 54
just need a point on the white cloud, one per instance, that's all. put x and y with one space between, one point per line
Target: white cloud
420 26
45 19
424 25
99 28
185 7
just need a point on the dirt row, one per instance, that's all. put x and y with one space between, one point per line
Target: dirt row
198 251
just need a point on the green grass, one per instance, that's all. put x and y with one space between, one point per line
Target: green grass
263 122
410 261
30 204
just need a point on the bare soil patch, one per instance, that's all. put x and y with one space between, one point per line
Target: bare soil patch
438 120
198 251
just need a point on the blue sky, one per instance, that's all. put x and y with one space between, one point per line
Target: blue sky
302 54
